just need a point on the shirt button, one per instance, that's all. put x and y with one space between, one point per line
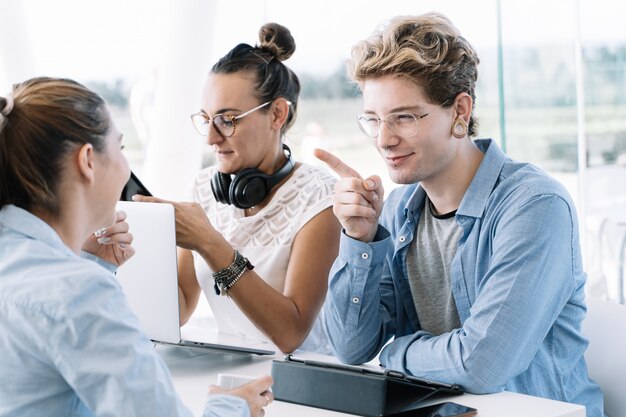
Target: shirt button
402 239
355 300
364 255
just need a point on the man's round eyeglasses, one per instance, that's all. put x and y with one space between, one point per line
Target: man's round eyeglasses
402 124
225 124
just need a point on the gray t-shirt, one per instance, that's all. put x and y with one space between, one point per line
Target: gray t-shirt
428 264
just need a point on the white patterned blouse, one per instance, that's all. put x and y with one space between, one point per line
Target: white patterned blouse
265 239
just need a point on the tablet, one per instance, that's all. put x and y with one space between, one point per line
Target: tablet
352 389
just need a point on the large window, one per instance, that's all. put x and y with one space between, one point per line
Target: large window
552 81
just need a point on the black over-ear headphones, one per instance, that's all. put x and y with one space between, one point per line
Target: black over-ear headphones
250 186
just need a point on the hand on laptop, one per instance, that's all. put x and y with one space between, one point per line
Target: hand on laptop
256 393
112 243
192 224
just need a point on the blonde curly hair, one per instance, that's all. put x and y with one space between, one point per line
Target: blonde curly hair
426 49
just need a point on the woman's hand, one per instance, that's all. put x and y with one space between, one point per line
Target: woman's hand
113 243
256 394
192 224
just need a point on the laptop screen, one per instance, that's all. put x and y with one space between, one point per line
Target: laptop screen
150 281
149 278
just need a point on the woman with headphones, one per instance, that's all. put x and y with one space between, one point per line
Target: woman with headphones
260 230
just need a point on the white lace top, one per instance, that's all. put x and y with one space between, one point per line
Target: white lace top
265 239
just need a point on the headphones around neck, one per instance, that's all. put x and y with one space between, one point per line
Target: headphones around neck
250 186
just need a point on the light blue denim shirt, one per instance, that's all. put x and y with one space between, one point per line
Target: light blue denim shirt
517 280
69 344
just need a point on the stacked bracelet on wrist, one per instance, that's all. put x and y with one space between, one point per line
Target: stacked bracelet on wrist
226 278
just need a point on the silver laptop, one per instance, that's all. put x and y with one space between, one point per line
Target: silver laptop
150 281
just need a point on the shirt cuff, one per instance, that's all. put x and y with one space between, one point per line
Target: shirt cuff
105 264
369 253
224 405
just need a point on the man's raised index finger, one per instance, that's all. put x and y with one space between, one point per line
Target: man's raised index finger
336 164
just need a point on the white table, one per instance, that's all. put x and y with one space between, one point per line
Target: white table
193 370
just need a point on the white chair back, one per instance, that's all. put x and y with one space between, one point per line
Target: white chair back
605 327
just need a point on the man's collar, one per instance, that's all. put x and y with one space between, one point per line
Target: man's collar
484 181
475 198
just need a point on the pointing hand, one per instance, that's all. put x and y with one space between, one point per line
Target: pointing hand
357 202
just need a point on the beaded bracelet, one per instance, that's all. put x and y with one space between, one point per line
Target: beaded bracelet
227 277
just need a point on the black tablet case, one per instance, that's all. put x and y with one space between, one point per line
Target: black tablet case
351 389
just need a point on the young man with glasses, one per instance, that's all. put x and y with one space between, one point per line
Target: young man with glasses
473 268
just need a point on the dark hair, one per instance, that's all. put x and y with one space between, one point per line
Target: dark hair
274 79
50 117
427 49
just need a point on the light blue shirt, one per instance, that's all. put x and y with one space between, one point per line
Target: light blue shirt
517 280
69 344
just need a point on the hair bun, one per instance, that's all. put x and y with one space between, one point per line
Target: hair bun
6 105
277 39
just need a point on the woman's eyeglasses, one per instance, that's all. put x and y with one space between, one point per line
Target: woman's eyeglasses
225 124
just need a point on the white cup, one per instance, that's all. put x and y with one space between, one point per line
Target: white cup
230 381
